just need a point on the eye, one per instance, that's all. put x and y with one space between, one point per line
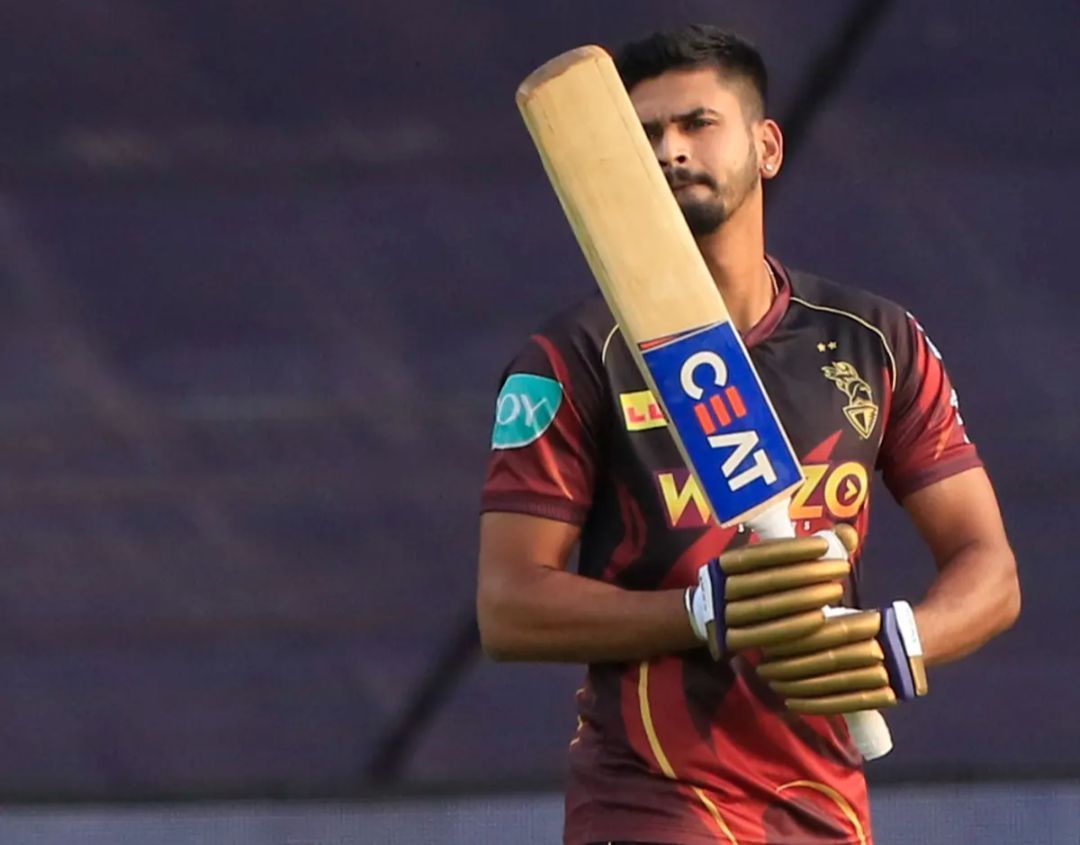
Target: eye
699 123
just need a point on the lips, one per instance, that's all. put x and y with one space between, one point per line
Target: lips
683 177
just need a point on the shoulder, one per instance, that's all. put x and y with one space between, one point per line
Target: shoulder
583 330
568 349
817 293
588 317
880 319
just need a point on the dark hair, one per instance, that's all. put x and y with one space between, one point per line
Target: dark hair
695 45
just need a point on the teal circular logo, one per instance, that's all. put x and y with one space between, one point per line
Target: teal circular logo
526 407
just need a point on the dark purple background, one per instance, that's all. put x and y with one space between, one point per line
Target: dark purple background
260 266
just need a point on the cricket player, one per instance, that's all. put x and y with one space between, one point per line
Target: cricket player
680 737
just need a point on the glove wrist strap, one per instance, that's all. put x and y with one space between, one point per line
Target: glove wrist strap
905 623
696 612
909 633
903 651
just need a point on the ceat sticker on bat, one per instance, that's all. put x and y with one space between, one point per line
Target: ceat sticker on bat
726 422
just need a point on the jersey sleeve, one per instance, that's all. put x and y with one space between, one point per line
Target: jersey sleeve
925 439
545 439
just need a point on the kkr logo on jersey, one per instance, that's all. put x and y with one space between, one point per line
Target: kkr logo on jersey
830 491
723 418
861 409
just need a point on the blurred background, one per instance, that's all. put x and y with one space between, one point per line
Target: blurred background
261 264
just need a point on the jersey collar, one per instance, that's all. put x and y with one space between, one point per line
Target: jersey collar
767 324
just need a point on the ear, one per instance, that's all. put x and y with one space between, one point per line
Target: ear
770 142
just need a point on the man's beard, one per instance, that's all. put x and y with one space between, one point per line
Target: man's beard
705 216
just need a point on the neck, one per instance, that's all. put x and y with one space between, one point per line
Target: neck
735 254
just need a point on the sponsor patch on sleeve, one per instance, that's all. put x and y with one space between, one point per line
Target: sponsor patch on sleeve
641 411
525 409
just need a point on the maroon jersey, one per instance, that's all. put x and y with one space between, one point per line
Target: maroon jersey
683 749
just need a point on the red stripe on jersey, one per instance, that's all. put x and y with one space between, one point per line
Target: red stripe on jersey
573 431
823 451
633 540
853 597
925 441
886 401
684 572
562 375
675 740
943 440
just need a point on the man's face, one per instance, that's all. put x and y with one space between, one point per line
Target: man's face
704 142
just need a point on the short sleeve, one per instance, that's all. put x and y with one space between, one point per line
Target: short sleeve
925 439
546 434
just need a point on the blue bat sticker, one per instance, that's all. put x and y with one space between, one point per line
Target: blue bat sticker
726 422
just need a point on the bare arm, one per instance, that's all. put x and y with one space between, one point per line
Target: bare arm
530 608
976 594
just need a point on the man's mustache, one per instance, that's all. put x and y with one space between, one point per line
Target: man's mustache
677 177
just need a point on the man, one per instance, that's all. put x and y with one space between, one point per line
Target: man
672 745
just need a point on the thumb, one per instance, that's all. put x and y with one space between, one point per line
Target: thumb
848 536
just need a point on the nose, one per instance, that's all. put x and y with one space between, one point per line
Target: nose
671 149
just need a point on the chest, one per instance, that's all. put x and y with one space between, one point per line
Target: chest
828 376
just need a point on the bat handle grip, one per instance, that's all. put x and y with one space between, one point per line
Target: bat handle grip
870 733
868 728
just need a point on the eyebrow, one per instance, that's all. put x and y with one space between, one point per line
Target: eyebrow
653 125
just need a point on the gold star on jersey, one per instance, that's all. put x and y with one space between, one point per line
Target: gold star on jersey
861 410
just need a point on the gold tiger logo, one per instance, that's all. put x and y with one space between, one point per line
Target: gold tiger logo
861 409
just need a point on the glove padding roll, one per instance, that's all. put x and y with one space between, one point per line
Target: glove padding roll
856 661
767 593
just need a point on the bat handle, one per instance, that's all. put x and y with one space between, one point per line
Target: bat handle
868 728
870 733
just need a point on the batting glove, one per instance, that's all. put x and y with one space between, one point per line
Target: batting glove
768 593
857 660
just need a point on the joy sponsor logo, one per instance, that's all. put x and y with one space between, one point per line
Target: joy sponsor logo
526 407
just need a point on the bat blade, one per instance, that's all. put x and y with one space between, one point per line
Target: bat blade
665 301
656 283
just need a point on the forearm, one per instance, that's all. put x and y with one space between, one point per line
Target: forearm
975 597
554 615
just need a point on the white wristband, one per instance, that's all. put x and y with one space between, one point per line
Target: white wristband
696 610
909 633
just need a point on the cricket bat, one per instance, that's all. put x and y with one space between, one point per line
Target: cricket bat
671 314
